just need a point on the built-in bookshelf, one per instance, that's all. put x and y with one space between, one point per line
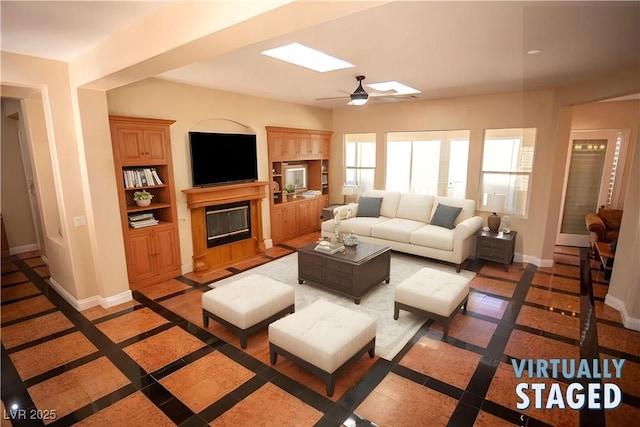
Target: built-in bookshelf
298 156
142 157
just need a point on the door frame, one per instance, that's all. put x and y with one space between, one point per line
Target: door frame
611 135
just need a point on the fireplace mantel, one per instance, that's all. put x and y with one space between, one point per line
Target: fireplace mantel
207 260
222 194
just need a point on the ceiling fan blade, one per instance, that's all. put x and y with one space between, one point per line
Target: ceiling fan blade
394 98
332 98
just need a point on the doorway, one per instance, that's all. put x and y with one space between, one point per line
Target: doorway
592 179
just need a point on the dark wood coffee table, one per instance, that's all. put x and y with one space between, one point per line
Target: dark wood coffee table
351 273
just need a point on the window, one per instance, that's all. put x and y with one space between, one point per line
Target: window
432 162
360 161
507 162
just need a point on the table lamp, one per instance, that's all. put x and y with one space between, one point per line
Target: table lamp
346 191
495 203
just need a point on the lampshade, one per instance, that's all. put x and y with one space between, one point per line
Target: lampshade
347 191
359 96
495 202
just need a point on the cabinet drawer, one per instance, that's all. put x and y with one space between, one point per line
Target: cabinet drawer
494 244
309 260
339 267
338 281
491 254
310 273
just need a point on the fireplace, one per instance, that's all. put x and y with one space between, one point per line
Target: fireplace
228 223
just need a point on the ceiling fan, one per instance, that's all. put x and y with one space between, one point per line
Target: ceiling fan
361 96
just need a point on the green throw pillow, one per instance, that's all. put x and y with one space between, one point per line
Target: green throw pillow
445 216
369 206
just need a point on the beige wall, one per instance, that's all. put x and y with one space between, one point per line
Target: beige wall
70 256
532 109
36 132
611 115
103 216
80 172
624 287
207 109
16 210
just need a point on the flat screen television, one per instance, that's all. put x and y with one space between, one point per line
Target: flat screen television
222 158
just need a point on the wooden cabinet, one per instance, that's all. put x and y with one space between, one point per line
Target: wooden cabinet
141 146
142 157
296 217
288 147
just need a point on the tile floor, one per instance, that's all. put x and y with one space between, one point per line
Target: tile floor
151 362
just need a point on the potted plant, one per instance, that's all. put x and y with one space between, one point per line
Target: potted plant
290 189
142 198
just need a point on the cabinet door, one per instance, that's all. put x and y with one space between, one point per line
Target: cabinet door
131 146
155 146
315 147
277 224
314 215
276 146
290 147
326 146
290 222
141 250
304 142
166 257
304 218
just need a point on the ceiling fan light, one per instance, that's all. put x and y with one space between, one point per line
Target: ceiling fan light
359 96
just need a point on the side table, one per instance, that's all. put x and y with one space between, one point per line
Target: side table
497 247
607 257
327 213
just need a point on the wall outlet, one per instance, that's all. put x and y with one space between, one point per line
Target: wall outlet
79 221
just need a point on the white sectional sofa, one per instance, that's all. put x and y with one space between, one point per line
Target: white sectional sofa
406 223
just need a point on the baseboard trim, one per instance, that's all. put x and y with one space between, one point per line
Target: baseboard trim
87 303
534 260
628 321
24 248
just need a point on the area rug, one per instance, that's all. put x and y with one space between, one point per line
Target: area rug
391 335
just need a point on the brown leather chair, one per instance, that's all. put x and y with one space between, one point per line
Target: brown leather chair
604 226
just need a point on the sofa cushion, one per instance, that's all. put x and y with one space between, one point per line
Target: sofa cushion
358 226
432 236
390 201
417 207
396 229
445 216
468 207
369 207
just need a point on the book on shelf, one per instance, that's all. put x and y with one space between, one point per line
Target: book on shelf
141 177
142 224
142 220
141 217
329 248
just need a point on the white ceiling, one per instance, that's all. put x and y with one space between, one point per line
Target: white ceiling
444 49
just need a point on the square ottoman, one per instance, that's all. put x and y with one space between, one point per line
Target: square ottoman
248 304
432 293
323 338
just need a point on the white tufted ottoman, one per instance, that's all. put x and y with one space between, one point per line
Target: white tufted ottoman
248 304
323 338
432 293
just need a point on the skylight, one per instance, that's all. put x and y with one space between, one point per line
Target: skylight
395 87
301 55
